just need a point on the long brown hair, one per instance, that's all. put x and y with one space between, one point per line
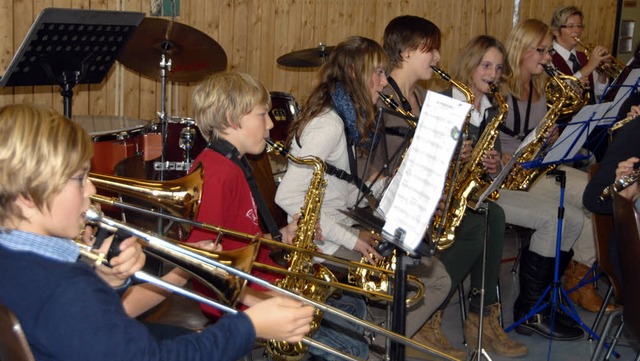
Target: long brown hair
351 64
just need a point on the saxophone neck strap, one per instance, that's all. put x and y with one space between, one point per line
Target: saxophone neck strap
229 151
403 100
517 132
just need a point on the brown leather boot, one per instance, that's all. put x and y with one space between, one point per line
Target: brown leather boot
586 296
432 336
494 339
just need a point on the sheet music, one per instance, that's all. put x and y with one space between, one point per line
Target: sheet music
630 84
497 181
414 193
575 133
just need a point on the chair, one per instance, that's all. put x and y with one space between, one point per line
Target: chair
264 178
602 228
13 343
626 228
523 235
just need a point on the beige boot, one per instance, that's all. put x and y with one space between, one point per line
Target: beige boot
494 339
586 296
432 336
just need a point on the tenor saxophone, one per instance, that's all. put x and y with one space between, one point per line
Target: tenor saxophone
300 262
443 226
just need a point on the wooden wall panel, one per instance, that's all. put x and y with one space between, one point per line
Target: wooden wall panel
254 33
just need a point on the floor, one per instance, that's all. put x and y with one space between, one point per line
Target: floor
178 310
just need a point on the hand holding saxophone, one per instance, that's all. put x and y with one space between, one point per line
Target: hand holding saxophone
491 162
626 169
289 231
366 244
634 112
465 152
281 318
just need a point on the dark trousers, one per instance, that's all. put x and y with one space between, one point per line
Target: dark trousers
465 255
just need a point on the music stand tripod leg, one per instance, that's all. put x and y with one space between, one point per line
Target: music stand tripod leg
559 296
399 292
480 352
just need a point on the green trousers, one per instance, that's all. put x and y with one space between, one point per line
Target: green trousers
465 255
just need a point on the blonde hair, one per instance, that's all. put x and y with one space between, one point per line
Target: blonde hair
225 94
524 36
471 56
39 151
561 14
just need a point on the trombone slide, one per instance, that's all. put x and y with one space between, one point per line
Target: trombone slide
163 245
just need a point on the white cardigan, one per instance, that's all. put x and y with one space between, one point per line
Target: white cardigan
323 137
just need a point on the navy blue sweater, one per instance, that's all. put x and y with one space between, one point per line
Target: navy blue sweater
68 313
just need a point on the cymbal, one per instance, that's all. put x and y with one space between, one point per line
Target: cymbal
306 58
193 54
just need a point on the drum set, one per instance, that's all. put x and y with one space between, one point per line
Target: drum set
164 148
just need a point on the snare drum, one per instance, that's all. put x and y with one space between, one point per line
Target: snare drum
114 139
183 144
284 109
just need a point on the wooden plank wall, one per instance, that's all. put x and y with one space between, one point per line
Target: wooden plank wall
254 33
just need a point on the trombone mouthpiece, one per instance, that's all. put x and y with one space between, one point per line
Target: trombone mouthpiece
93 214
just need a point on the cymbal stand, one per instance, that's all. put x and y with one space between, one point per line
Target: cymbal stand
164 66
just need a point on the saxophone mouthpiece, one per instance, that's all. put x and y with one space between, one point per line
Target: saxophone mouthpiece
549 69
441 73
277 147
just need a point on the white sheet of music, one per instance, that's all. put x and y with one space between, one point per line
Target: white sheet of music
575 133
630 83
414 193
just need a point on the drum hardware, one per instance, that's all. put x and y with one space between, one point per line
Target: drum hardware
306 58
114 139
192 53
284 110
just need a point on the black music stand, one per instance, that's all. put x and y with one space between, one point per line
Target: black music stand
67 47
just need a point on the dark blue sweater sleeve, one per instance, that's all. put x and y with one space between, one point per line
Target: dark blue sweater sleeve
83 319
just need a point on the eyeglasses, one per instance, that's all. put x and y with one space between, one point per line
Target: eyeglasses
82 178
543 51
573 26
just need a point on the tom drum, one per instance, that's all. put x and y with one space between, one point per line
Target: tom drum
114 139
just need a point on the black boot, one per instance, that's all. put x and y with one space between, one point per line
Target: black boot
536 274
561 317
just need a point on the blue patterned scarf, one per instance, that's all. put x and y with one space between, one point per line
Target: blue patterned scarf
343 105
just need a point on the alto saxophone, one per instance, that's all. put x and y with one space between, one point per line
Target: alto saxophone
300 262
521 178
443 226
472 180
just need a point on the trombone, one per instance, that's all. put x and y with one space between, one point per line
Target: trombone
188 256
419 286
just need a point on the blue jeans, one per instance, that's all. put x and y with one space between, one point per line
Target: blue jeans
339 333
